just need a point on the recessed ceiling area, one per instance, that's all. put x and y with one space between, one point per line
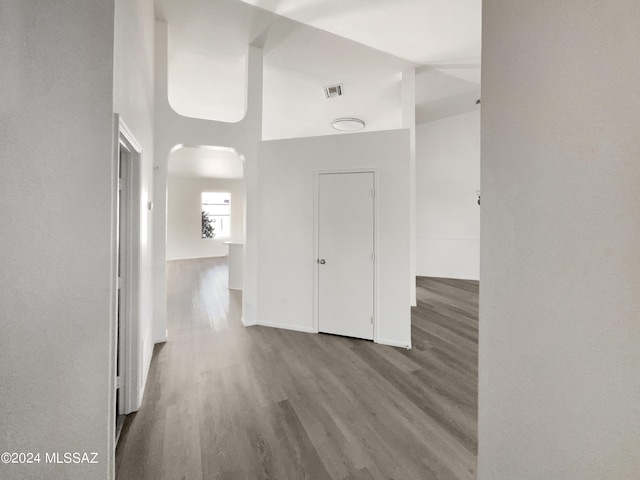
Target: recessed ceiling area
207 48
206 162
364 45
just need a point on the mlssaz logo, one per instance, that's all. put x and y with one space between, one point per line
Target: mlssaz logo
71 457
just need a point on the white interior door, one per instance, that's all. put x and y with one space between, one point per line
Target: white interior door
346 254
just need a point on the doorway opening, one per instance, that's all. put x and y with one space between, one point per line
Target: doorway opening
206 216
126 337
345 300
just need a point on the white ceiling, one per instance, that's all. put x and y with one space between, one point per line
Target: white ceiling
441 94
207 162
422 31
308 44
300 60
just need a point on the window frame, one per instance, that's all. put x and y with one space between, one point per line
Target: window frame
218 233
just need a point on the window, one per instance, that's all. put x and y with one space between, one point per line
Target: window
216 215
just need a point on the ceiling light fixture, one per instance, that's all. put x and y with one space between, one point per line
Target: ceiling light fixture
348 124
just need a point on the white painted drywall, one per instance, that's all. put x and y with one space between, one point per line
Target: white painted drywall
286 225
184 218
133 100
448 215
56 132
560 293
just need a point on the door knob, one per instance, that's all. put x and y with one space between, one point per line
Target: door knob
321 261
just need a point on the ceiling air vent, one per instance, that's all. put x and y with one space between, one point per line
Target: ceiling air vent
333 91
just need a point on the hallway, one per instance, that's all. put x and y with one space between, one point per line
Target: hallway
227 402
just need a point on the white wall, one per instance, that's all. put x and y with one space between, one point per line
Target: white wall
56 132
184 218
133 100
286 226
560 296
448 215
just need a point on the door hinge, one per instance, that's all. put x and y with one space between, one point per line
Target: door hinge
373 192
118 383
373 256
372 320
119 184
118 282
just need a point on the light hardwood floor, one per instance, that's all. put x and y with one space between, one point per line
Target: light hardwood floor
227 402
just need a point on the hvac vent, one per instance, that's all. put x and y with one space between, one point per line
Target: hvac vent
333 91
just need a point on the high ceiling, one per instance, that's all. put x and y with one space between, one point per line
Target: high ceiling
309 44
421 31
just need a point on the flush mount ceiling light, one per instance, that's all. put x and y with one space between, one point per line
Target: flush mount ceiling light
348 124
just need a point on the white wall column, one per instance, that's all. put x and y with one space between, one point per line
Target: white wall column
408 94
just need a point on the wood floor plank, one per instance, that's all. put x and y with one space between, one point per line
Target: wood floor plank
362 474
305 462
376 403
227 402
181 456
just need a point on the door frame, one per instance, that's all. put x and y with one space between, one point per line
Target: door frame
316 234
130 346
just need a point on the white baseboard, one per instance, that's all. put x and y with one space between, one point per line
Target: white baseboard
288 327
161 339
394 343
199 257
247 324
